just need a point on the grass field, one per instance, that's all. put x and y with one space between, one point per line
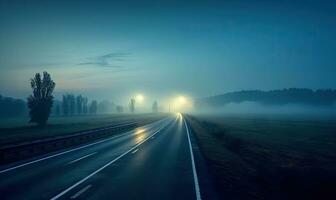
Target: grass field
16 130
263 157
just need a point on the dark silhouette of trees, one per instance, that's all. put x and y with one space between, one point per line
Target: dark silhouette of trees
120 109
155 107
10 107
93 107
40 103
105 107
132 105
274 97
79 104
85 105
72 104
65 105
58 110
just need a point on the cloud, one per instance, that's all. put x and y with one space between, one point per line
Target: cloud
107 60
118 56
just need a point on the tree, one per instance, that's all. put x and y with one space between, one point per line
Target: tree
105 107
58 110
132 106
40 103
85 105
72 103
79 104
65 105
155 107
93 107
10 107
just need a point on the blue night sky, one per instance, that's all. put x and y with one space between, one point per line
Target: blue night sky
111 50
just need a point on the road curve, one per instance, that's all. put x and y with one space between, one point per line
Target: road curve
155 161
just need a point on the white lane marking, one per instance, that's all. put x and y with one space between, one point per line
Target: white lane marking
152 137
80 192
58 154
103 167
68 151
197 189
135 151
81 158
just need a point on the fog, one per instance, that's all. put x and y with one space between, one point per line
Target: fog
274 111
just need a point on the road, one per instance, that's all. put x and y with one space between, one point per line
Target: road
155 161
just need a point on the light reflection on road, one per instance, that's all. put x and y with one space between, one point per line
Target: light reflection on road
140 134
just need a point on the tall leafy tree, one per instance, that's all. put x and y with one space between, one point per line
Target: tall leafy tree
41 101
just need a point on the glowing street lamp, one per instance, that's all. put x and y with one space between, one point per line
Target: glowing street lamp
180 103
181 100
139 98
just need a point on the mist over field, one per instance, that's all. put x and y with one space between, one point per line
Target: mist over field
254 108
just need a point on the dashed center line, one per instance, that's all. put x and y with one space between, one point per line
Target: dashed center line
80 192
135 151
78 159
107 164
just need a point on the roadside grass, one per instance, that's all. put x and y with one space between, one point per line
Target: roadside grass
258 158
17 130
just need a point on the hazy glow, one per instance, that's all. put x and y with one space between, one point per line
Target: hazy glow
139 98
181 103
181 100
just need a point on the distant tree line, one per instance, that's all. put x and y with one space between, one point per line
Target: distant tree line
69 105
73 105
10 107
79 105
40 104
320 97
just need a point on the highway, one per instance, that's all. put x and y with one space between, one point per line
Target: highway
155 161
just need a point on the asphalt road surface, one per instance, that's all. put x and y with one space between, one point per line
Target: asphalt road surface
156 161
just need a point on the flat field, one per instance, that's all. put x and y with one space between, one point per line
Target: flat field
16 130
269 157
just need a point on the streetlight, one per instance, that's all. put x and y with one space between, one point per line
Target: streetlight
139 98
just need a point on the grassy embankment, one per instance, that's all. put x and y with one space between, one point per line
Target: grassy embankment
256 158
17 130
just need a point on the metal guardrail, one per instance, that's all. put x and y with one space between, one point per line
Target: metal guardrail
12 153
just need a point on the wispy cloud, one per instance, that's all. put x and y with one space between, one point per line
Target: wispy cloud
112 60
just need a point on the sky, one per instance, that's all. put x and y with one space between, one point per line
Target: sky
116 49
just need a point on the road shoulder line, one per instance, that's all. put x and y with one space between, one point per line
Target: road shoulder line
197 189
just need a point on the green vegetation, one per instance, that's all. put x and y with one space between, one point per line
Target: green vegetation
15 130
263 158
41 101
